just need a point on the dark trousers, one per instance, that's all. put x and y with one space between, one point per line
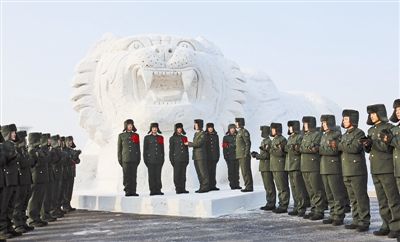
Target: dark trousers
7 207
68 186
233 173
315 190
245 167
202 174
36 201
22 195
129 170
180 176
47 205
357 190
154 171
299 191
269 186
334 190
212 170
282 185
57 194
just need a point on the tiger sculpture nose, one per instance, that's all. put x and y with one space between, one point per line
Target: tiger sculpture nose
165 52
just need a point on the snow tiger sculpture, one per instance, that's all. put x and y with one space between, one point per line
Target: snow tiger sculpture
170 79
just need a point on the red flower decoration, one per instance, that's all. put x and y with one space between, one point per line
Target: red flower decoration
135 138
184 139
160 140
225 145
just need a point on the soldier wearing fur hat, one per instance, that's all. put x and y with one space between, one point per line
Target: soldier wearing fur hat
310 167
354 170
243 145
179 157
265 168
229 151
277 153
69 173
382 170
9 133
200 156
2 183
153 156
58 157
129 156
331 170
292 166
213 153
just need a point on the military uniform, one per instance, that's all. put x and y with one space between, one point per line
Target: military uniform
200 157
2 182
292 166
395 142
354 170
179 158
129 157
265 168
229 151
213 153
382 170
331 171
69 173
153 156
243 145
310 168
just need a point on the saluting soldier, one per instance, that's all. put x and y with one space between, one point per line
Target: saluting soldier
39 154
310 168
229 150
200 156
354 170
129 156
153 156
265 168
179 157
243 145
292 166
382 170
213 153
331 170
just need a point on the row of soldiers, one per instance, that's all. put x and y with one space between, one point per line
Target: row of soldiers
37 174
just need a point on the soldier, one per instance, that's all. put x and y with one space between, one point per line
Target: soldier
129 156
212 149
265 168
11 180
23 192
331 170
2 183
277 152
179 157
229 150
382 170
354 170
243 145
200 156
310 168
292 166
69 171
58 157
153 156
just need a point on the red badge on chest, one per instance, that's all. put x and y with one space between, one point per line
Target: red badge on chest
135 138
160 140
184 139
225 145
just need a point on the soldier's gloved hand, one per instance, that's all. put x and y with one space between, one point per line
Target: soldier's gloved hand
333 144
254 154
385 135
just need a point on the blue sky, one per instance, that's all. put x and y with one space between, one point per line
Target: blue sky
348 52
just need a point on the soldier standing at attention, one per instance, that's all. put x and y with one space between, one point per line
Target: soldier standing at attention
382 170
2 183
179 157
310 168
200 156
243 145
265 168
331 170
229 150
354 170
153 156
212 149
72 160
129 156
292 166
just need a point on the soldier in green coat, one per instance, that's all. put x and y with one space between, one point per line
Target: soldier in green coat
265 168
229 150
2 183
153 156
38 153
331 170
310 168
354 170
200 156
179 157
243 145
69 173
213 153
292 166
277 157
58 157
23 192
129 156
382 170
